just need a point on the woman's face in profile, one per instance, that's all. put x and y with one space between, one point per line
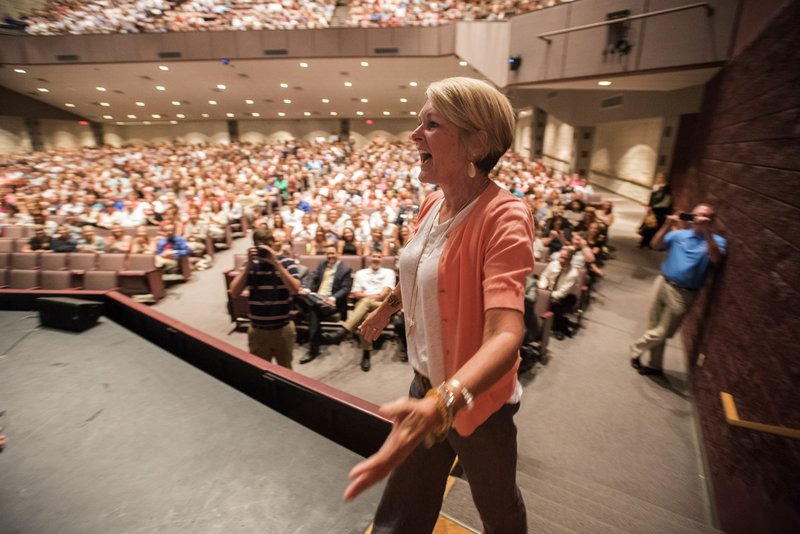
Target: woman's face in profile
437 141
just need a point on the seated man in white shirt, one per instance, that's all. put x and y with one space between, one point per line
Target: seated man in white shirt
560 278
370 286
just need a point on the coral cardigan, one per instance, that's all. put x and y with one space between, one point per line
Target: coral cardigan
483 266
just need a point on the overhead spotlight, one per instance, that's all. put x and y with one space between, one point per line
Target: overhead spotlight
604 83
514 62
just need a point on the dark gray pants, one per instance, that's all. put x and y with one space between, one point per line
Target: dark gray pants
413 495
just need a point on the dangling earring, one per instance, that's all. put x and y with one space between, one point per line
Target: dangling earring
471 172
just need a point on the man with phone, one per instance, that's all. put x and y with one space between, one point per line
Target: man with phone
272 280
692 250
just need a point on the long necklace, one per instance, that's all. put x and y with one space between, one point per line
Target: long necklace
414 288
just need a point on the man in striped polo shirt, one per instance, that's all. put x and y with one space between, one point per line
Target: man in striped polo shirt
272 280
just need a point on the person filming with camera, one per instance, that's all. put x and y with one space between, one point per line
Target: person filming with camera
272 280
691 251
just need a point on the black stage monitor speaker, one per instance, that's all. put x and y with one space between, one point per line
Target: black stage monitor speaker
68 313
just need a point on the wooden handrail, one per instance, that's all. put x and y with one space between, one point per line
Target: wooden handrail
732 417
546 36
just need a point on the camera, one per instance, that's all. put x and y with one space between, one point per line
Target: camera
686 217
262 252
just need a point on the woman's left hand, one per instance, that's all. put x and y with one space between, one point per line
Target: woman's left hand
413 419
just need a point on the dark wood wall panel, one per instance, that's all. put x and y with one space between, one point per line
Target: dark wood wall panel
742 154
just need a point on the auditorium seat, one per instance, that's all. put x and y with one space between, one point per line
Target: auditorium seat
80 262
56 280
354 262
100 280
389 262
142 277
545 318
311 261
53 262
15 231
25 260
3 278
111 261
23 279
6 244
5 260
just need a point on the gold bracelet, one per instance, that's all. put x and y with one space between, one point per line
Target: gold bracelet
445 411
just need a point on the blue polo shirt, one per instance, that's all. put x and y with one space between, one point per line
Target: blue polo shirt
687 262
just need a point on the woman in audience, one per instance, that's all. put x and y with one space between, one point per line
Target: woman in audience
317 245
142 243
90 242
347 245
462 279
118 241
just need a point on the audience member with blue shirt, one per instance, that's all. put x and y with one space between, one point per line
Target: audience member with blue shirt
683 274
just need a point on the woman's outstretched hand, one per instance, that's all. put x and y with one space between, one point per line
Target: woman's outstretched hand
412 420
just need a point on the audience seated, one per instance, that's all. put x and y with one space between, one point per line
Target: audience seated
560 278
315 197
155 16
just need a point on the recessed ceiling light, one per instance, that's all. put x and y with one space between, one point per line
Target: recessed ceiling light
20 71
109 117
413 84
176 102
359 113
348 84
42 90
101 89
463 63
364 64
386 113
412 112
140 104
334 113
281 114
307 113
105 104
212 102
173 122
147 122
403 100
249 102
604 83
221 87
120 123
156 116
69 105
303 65
287 101
256 114
326 101
229 115
204 115
131 116
163 67
181 116
161 88
285 85
365 100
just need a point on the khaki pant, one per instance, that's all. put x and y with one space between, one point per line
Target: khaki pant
669 306
354 318
270 345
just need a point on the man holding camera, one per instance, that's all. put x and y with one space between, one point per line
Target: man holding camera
683 273
272 280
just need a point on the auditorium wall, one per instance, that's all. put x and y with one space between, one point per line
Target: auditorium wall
624 156
558 144
741 155
60 134
13 135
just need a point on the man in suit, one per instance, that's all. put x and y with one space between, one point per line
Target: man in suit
327 291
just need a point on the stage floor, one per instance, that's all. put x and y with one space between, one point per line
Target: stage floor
110 433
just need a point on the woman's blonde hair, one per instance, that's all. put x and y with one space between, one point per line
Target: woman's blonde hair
474 106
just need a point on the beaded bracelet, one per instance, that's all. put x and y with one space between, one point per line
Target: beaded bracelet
445 411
